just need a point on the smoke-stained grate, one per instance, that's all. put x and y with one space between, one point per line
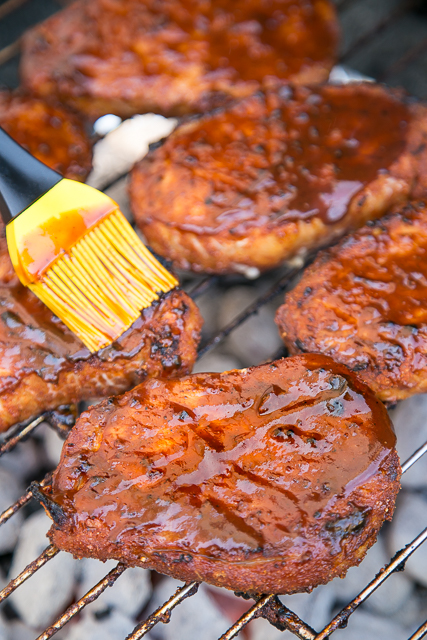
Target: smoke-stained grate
371 45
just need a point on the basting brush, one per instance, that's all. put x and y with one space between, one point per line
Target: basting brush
72 246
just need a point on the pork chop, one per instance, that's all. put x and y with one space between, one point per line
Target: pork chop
175 57
278 175
364 303
272 479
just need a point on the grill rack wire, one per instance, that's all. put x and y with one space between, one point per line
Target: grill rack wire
267 606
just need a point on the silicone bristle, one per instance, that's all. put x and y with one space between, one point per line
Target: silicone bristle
100 288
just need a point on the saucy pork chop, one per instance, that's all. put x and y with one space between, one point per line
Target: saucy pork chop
44 365
272 479
364 302
279 174
175 57
51 133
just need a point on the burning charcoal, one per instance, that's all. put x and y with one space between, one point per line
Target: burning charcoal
113 626
17 630
119 150
407 523
365 625
196 617
128 595
391 595
209 306
39 600
10 490
4 631
262 630
255 340
413 614
24 461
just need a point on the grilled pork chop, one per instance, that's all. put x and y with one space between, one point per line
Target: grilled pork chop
279 174
364 302
272 479
44 365
176 56
51 133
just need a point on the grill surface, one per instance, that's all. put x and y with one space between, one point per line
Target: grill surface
386 40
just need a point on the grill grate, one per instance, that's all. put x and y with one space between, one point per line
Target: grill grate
360 38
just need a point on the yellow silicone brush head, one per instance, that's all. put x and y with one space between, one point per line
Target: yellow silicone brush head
77 252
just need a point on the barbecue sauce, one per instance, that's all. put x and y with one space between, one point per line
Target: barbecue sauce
387 277
245 40
363 303
53 239
210 46
287 155
383 285
233 465
53 135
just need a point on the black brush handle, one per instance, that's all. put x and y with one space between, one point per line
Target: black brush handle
23 178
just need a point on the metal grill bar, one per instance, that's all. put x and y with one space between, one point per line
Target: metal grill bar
13 49
247 617
420 633
89 597
277 614
278 287
414 457
283 618
19 432
409 56
9 52
393 16
203 287
163 613
50 552
25 431
9 6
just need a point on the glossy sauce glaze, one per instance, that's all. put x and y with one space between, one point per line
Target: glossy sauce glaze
199 50
34 340
54 135
44 365
280 37
51 240
243 466
365 304
278 157
388 273
245 40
